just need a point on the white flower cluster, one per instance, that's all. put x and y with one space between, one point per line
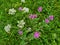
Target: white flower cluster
7 28
12 11
25 9
21 24
23 1
29 29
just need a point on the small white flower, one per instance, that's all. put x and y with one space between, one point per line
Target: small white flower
21 24
7 28
26 9
29 29
23 1
12 11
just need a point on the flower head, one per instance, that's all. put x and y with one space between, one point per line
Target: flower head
20 32
7 28
23 1
39 9
26 10
21 24
46 20
29 29
51 17
32 16
20 8
36 34
12 11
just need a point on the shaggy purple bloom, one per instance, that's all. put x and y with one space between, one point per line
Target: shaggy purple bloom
51 17
39 9
46 20
20 8
32 16
36 34
20 32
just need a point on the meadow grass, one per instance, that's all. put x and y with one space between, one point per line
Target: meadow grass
50 33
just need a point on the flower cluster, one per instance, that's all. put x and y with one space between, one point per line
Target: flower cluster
20 32
21 23
23 1
32 16
12 11
7 28
39 9
36 34
50 18
25 9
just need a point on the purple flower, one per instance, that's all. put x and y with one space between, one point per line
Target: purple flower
20 32
20 8
39 9
46 20
36 34
51 17
32 16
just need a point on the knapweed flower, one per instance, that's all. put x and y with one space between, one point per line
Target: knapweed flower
7 28
23 1
39 9
36 34
46 20
21 24
20 8
26 10
32 16
20 32
12 11
51 17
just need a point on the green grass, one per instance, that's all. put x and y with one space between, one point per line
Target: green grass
50 35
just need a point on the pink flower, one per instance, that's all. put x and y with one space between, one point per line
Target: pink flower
20 8
20 32
36 34
46 20
51 17
32 16
40 9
